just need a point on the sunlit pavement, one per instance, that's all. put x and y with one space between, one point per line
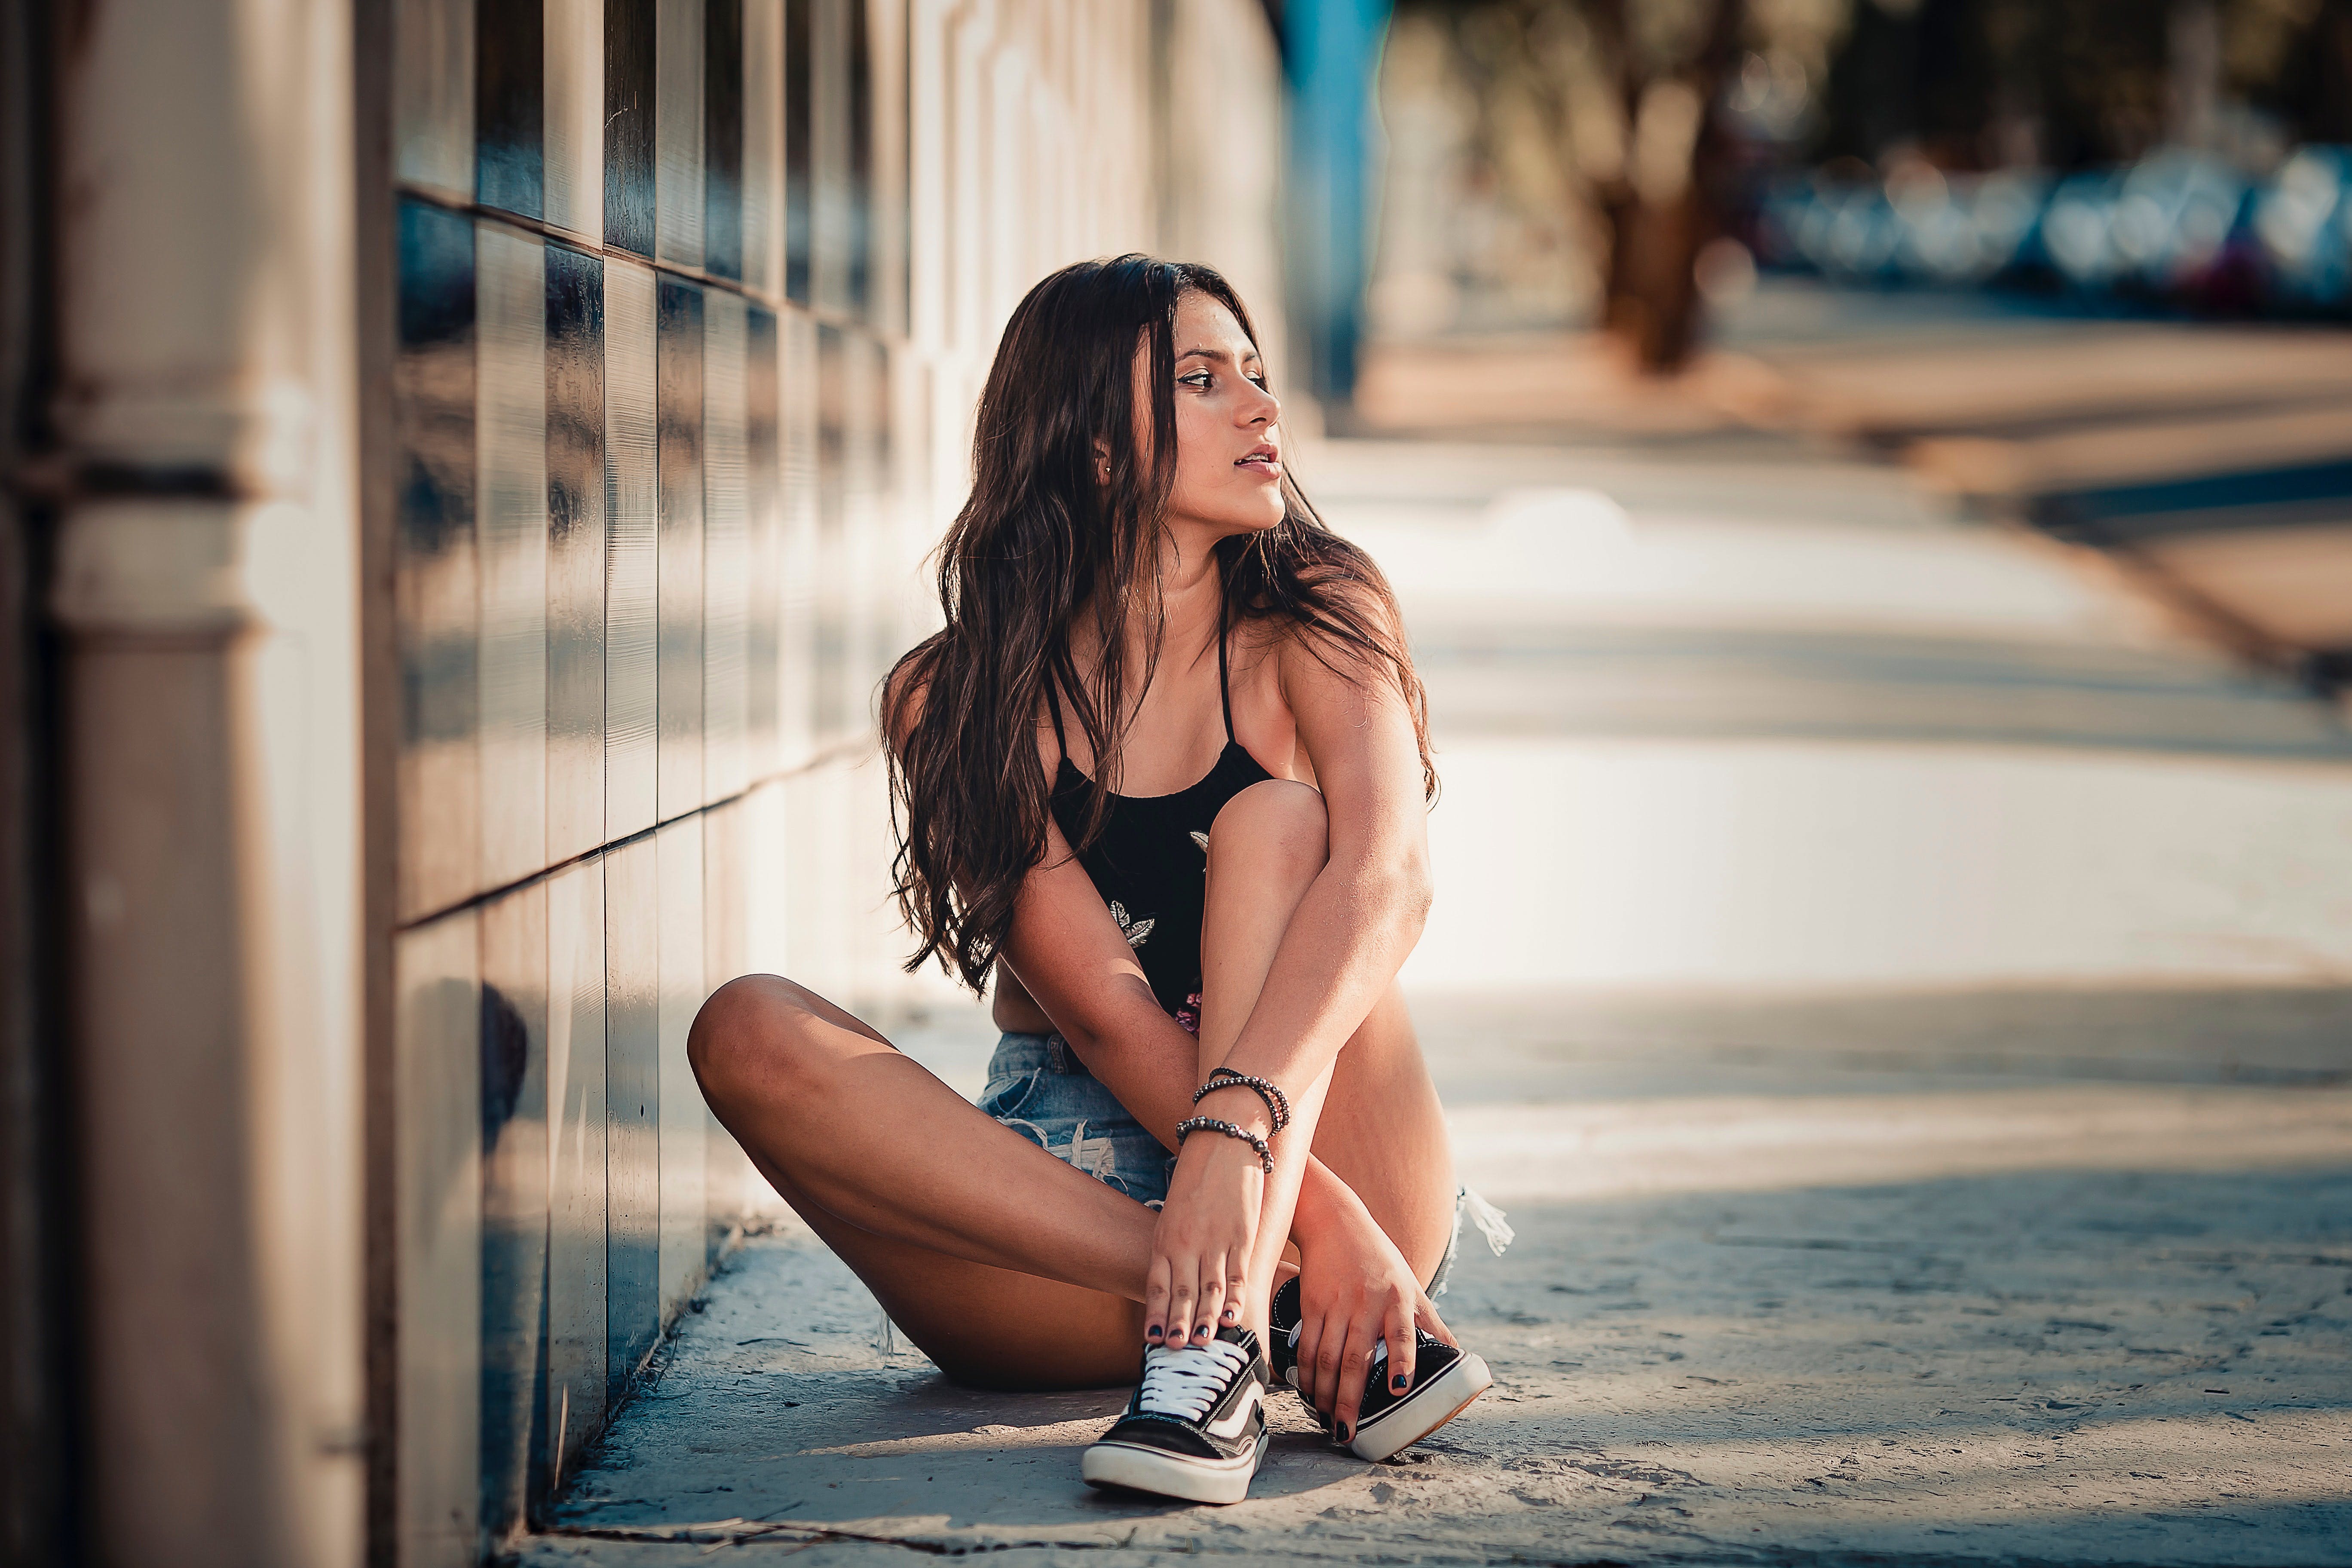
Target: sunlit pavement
1899 992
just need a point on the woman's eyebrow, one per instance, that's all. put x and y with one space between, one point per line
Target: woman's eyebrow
1220 355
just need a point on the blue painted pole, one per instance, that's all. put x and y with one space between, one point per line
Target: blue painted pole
1333 48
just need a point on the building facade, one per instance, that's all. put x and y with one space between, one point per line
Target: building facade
473 464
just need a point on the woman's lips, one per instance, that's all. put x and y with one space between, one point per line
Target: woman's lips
1265 461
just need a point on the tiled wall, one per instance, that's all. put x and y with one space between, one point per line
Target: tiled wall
693 300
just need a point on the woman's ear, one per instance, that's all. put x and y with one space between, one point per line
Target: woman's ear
1102 461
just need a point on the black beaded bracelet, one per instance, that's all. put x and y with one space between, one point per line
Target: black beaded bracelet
1191 1124
1277 1104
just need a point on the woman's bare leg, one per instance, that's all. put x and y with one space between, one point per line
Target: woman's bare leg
1383 1133
1004 1264
1374 1118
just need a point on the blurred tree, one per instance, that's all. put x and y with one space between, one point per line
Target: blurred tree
2070 83
2293 58
1627 95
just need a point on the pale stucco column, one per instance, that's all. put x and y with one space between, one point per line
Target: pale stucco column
206 589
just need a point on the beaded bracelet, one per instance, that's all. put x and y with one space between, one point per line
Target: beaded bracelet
1230 1128
1277 1104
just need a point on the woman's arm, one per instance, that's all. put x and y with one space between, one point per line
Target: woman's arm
1363 913
1073 959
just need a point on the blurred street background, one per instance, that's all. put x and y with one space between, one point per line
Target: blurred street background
1870 486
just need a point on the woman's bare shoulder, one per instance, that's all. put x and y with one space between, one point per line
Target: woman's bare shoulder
1344 641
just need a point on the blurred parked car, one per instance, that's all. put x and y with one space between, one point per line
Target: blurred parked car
2179 230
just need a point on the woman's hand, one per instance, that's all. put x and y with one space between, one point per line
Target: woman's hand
1200 1256
1355 1289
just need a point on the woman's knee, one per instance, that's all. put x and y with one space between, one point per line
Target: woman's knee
1276 825
747 1032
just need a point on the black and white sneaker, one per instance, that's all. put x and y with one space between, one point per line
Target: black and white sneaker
1444 1380
1196 1427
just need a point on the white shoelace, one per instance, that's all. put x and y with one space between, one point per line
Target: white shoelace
1189 1381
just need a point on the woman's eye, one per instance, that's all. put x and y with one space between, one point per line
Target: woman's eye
1199 378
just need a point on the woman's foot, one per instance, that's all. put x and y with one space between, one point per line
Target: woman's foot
1196 1427
1444 1380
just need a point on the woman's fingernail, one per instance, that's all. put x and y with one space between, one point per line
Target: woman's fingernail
1343 1434
1397 1381
1155 1332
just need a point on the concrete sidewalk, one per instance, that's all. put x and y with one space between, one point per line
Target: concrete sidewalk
1914 1312
2208 460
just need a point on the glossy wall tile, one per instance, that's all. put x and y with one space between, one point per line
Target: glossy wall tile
629 41
679 40
832 204
575 553
727 1173
722 138
633 1111
678 417
828 656
509 57
575 1351
799 549
437 1225
799 138
513 1076
763 543
573 134
434 563
632 560
433 96
510 444
684 1120
726 547
763 145
856 242
867 630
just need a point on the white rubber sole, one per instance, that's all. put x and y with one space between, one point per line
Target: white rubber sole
1423 1411
1145 1470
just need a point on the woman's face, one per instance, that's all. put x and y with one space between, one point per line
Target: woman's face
1228 443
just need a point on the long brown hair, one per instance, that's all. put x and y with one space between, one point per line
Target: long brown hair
1040 542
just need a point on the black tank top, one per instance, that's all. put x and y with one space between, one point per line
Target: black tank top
1151 864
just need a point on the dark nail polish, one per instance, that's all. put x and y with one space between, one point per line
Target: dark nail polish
1397 1381
1156 1334
1343 1434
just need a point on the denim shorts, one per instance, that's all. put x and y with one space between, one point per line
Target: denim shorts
1039 1087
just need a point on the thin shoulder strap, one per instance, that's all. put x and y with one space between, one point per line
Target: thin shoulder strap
1225 695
